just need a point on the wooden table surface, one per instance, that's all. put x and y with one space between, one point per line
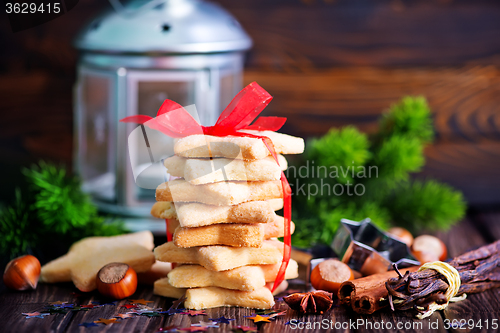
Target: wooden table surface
481 309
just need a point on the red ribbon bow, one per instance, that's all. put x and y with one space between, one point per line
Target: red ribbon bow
173 120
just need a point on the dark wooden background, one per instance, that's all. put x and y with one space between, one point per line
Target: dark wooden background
327 63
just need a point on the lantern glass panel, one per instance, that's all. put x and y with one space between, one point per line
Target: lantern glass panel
230 84
146 92
96 162
152 95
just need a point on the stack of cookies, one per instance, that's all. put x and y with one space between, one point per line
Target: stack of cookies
221 211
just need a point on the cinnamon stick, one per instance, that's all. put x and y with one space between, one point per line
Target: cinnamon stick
368 294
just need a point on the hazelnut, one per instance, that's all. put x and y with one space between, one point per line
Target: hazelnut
116 280
402 234
22 273
329 275
427 248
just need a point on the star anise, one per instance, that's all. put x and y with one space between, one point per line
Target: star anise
312 302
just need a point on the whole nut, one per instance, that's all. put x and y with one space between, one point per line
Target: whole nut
330 274
402 234
427 248
116 280
22 273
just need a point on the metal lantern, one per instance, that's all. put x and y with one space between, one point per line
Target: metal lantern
132 59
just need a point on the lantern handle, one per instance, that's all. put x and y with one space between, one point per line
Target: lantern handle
120 8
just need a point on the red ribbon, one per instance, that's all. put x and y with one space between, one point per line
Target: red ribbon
173 120
169 233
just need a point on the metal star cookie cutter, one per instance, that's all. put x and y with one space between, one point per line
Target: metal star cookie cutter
369 250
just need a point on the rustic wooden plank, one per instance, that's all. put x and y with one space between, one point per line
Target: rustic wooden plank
469 167
477 308
489 224
293 321
135 324
37 118
464 101
238 314
14 303
462 238
300 35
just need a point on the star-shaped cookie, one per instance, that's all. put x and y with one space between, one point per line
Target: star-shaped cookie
87 256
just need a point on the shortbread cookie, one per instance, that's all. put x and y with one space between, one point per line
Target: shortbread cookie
279 245
276 204
235 234
160 269
270 271
195 214
87 256
276 228
205 171
163 288
219 194
241 278
220 258
281 288
213 297
195 146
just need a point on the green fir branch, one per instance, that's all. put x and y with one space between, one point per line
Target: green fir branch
344 148
59 201
397 157
411 117
421 206
16 234
54 209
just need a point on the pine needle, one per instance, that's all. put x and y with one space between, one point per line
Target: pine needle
54 209
16 236
59 200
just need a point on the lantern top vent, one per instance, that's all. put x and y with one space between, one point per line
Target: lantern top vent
164 27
